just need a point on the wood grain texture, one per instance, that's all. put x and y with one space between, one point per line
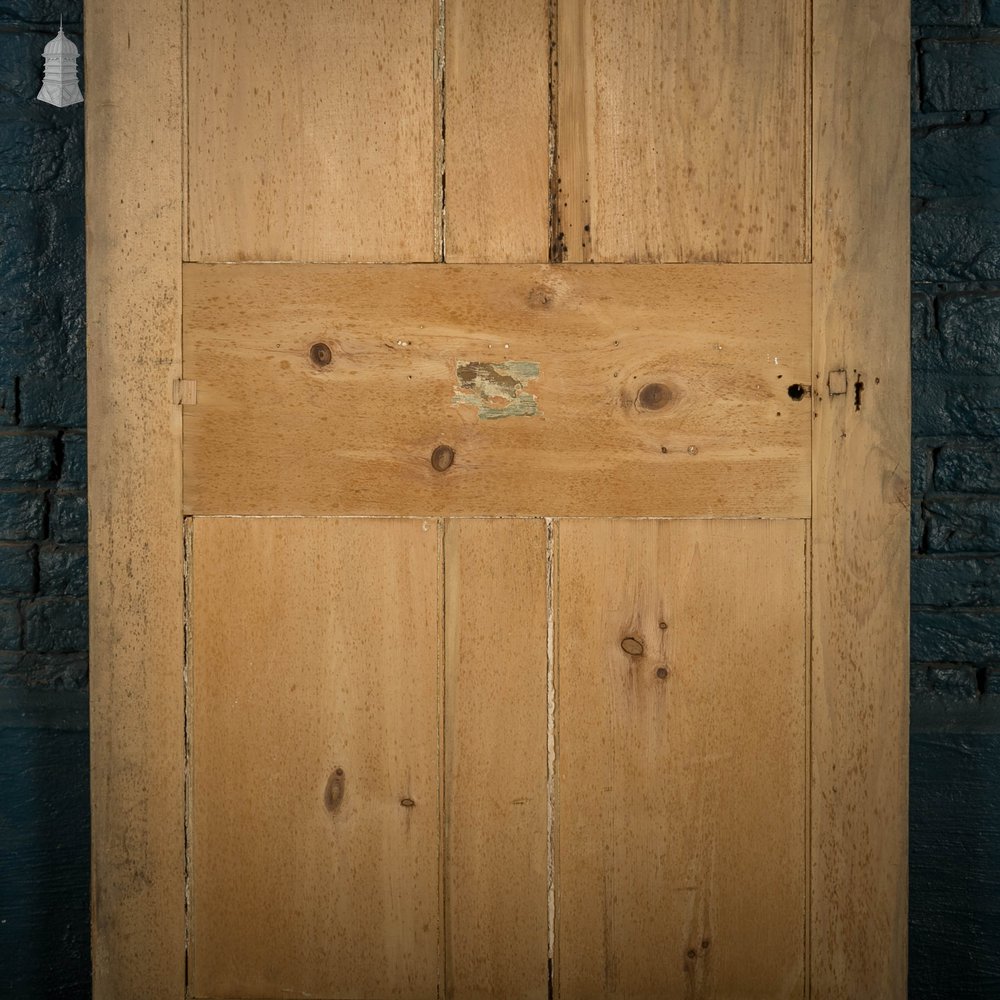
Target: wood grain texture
682 797
312 130
133 70
659 390
861 478
497 136
682 130
315 821
496 853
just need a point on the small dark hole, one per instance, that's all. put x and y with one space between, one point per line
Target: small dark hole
320 354
796 390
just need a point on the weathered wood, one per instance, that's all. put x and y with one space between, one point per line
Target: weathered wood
315 817
497 137
496 852
682 766
312 130
861 490
682 130
133 70
559 390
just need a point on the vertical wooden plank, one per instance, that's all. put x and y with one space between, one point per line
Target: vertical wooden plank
682 130
133 70
495 744
315 822
682 768
312 130
497 131
860 499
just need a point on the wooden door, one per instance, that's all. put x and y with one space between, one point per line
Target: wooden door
499 454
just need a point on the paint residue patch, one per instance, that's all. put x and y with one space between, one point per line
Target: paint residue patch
496 390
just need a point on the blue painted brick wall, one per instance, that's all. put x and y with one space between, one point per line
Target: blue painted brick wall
44 817
955 631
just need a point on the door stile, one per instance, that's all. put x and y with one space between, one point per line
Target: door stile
134 252
860 514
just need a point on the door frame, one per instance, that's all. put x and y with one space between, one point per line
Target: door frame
859 550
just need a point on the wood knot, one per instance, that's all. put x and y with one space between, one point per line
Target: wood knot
632 645
407 803
320 354
662 673
654 396
541 297
442 457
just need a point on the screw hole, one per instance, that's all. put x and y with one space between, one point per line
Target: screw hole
796 390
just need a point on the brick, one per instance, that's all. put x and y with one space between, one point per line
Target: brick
955 581
69 517
963 524
970 333
10 625
956 241
921 470
934 13
954 405
23 241
26 457
74 462
968 469
17 569
32 153
22 515
962 162
955 636
43 670
54 402
991 12
944 684
62 570
960 74
55 625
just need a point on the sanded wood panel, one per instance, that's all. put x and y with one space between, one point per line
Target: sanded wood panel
860 524
533 389
682 130
497 131
312 130
314 727
682 759
496 854
134 116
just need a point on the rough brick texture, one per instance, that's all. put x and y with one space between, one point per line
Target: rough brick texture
955 633
43 513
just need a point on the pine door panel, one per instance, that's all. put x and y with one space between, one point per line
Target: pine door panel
683 130
681 665
570 390
315 780
496 759
312 130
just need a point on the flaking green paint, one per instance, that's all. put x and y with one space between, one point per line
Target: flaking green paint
496 389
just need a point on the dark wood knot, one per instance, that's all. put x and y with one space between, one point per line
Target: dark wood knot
442 457
320 355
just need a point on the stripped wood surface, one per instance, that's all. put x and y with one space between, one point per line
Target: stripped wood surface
549 390
133 69
682 131
315 818
682 760
312 130
859 544
497 137
496 848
